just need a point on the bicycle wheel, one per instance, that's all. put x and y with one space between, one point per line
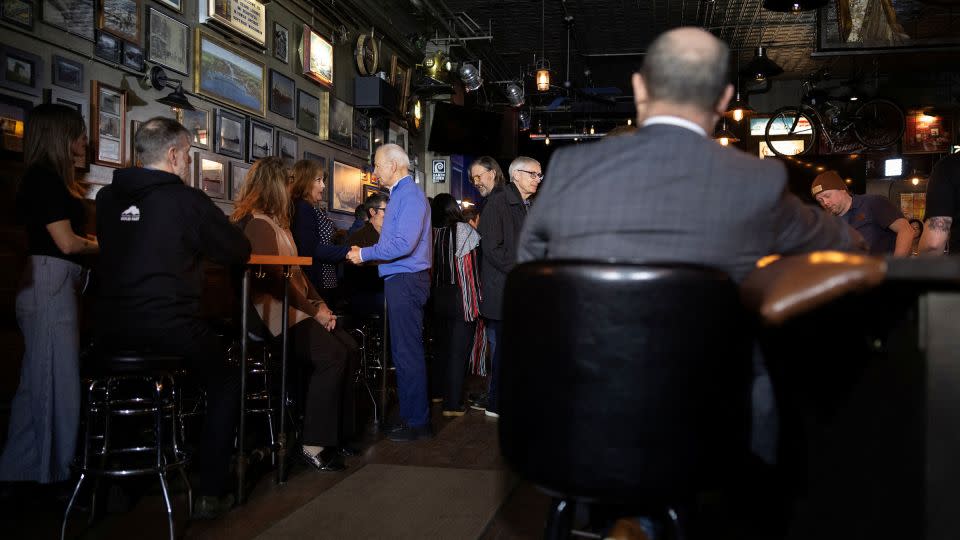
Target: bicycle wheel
790 132
878 123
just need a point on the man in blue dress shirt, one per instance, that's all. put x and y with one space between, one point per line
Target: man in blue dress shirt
405 251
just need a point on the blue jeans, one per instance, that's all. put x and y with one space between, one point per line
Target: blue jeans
406 295
494 334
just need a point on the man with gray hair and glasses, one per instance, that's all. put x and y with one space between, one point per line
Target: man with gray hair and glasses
154 231
500 223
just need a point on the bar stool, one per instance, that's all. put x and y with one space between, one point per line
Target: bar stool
368 331
131 385
260 396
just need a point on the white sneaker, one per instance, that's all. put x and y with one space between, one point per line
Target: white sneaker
491 414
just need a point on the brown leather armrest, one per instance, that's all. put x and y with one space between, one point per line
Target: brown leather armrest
793 285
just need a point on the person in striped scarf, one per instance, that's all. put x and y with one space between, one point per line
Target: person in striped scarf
455 288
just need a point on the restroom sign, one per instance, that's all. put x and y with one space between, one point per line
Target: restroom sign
439 171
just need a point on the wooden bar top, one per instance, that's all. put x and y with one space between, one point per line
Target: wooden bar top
279 259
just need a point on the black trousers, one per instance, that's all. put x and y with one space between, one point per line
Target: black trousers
203 350
329 360
453 339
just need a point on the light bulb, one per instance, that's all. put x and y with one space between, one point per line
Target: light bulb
547 141
629 121
915 181
592 131
737 115
724 141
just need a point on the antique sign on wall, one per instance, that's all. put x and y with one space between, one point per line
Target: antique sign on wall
247 18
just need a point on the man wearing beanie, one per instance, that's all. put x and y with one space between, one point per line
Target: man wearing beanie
875 217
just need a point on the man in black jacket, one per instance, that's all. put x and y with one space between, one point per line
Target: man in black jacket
500 223
153 232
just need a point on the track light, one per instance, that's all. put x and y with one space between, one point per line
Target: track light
514 95
470 76
524 118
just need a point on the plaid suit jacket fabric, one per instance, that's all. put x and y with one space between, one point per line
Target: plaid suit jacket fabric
668 195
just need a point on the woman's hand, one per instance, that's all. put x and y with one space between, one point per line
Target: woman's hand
326 318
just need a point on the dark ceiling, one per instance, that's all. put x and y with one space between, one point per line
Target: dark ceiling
608 37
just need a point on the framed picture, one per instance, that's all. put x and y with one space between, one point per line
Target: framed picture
107 47
224 73
400 75
229 135
238 175
281 43
926 133
210 172
316 57
18 12
168 43
132 56
67 73
325 198
369 190
282 90
20 71
13 114
108 118
341 122
308 112
198 123
134 158
74 16
346 188
904 26
261 140
246 18
176 5
120 18
324 97
286 147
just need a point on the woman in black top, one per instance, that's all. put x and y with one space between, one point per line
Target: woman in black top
42 435
313 230
455 292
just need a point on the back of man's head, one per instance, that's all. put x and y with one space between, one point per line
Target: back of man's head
686 66
155 136
375 201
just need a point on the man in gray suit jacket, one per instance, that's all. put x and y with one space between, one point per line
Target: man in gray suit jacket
668 193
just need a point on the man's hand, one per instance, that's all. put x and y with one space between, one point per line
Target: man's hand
326 318
354 255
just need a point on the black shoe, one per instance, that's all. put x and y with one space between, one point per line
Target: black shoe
480 398
211 507
330 460
405 433
480 405
310 459
347 451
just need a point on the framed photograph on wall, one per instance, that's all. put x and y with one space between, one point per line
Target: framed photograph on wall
891 26
176 5
20 71
282 90
74 16
926 133
132 56
316 56
18 12
224 73
210 172
229 137
341 122
120 18
246 18
67 73
261 140
198 123
238 175
346 188
281 42
169 41
108 47
13 114
108 119
286 147
308 112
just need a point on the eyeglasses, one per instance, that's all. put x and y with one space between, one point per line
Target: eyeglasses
380 208
476 177
537 175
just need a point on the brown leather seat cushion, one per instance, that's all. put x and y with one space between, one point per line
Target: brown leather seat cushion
793 285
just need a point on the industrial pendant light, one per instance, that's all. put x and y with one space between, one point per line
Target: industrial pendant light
793 6
761 67
543 66
739 108
724 136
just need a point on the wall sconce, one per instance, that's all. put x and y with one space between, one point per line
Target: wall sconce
176 99
470 76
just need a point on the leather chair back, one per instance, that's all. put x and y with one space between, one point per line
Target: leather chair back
626 383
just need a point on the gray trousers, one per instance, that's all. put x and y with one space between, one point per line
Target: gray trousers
42 436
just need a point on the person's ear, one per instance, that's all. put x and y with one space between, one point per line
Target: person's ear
640 94
724 101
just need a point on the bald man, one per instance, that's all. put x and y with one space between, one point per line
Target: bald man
405 248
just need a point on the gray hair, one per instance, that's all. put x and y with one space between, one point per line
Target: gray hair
396 153
521 162
688 72
156 136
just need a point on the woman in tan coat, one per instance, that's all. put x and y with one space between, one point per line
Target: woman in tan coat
263 212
